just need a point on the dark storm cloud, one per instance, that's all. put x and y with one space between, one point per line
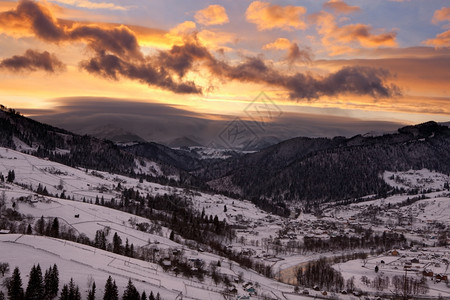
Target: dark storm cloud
116 50
37 17
116 54
111 66
120 41
181 59
33 61
354 80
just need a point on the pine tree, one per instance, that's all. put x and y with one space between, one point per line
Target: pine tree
127 248
11 176
117 244
29 230
47 283
144 296
51 282
54 231
70 292
111 292
64 293
132 250
158 296
74 291
54 280
91 293
40 226
35 288
151 297
15 290
130 292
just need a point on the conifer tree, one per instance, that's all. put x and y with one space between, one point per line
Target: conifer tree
15 290
144 296
130 292
40 226
70 292
35 288
151 297
54 231
64 293
51 282
117 244
111 292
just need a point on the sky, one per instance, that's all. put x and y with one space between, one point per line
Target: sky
290 68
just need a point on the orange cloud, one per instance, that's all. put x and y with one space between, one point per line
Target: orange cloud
294 52
278 44
441 40
216 39
91 5
339 40
212 15
441 15
267 16
340 7
115 53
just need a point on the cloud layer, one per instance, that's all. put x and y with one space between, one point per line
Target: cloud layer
87 115
115 53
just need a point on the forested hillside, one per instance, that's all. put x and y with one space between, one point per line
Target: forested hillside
331 169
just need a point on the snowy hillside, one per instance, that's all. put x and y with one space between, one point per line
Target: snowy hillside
263 249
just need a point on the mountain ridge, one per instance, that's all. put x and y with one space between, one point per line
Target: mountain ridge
301 169
324 169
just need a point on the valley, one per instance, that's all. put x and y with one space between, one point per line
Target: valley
355 237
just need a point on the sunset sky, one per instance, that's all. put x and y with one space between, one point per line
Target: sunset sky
336 63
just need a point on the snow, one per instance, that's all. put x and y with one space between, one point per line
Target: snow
416 179
256 229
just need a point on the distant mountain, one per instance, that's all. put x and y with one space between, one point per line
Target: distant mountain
182 160
299 169
26 135
183 141
323 169
115 134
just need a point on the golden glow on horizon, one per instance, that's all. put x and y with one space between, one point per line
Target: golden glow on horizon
424 83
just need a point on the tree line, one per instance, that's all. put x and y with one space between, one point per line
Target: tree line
46 287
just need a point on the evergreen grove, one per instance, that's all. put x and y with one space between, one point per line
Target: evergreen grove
46 287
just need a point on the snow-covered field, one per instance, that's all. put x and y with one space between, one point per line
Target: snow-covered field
258 233
87 218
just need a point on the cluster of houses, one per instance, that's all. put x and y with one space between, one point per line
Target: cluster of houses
433 265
